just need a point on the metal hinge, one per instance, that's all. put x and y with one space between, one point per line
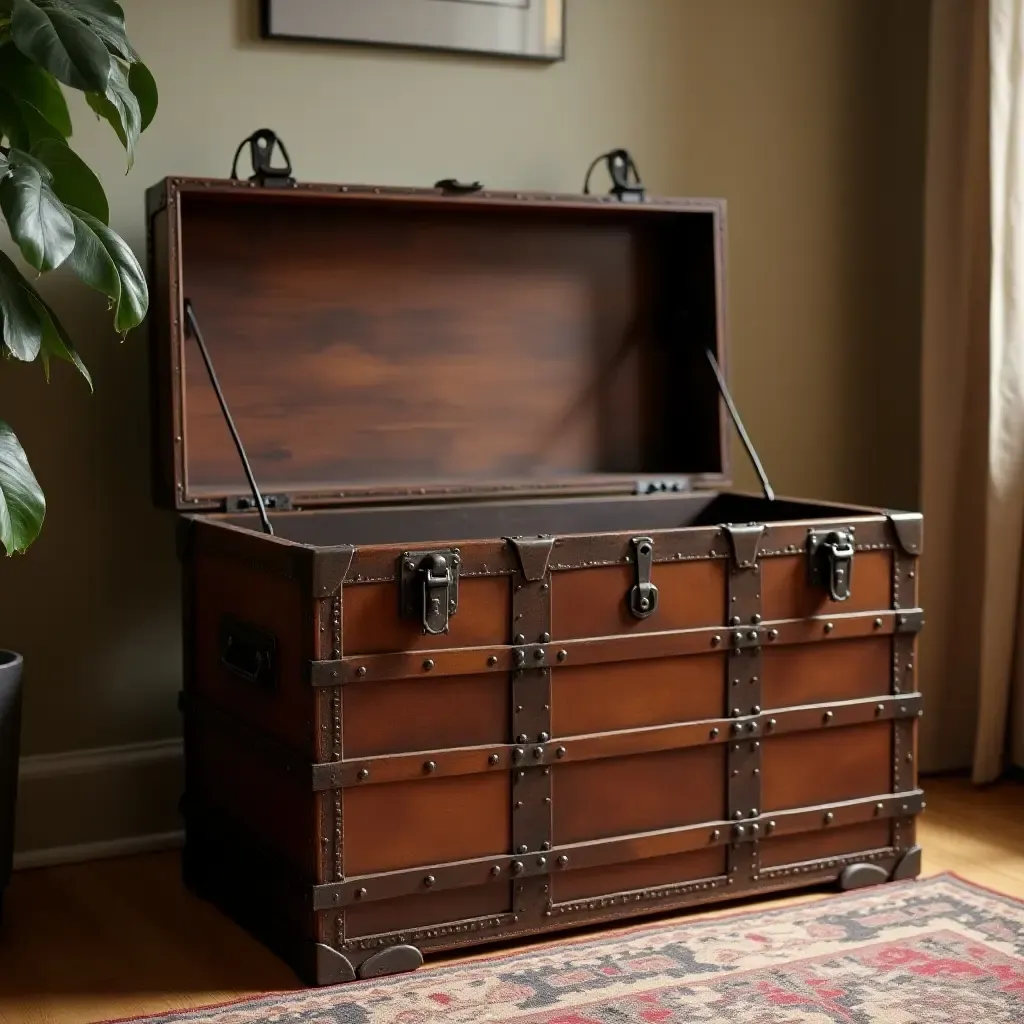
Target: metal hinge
830 562
429 588
246 503
674 484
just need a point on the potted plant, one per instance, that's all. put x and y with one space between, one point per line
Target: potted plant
57 215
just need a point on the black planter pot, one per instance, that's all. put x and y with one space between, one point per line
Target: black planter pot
10 749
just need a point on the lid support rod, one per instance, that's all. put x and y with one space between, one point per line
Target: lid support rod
738 424
193 325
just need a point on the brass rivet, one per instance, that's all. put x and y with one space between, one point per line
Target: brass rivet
560 752
523 738
562 861
903 709
756 709
562 655
740 830
430 766
493 759
545 845
753 812
538 753
772 723
538 654
773 634
737 637
757 771
520 657
879 708
735 620
429 881
519 709
752 635
716 640
522 848
492 660
519 803
541 861
770 827
879 808
361 671
737 815
755 619
517 867
829 817
518 753
827 717
545 637
878 623
716 835
363 774
360 893
410 565
520 638
829 627
910 758
737 728
714 734
496 870
428 665
545 586
543 737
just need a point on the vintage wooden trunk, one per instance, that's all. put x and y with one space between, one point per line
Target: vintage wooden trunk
515 658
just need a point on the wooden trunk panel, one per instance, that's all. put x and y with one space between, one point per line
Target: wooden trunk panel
837 842
409 715
592 602
372 625
635 694
804 674
640 793
277 605
427 909
810 768
641 874
786 593
405 824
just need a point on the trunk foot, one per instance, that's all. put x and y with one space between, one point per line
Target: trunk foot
859 876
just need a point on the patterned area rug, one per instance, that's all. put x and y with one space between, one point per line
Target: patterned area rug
935 951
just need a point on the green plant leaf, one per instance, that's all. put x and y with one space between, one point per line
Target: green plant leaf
120 107
143 87
12 122
73 180
73 53
104 17
20 158
22 327
37 219
22 502
56 343
31 84
104 261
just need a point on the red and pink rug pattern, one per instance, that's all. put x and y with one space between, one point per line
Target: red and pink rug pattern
934 951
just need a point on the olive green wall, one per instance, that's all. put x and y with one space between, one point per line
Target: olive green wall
806 115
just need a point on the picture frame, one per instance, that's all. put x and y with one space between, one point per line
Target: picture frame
524 29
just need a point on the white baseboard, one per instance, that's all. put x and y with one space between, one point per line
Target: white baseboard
90 804
77 854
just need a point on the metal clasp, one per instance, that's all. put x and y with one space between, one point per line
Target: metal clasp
643 597
830 562
429 583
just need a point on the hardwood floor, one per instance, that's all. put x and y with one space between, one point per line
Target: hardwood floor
120 938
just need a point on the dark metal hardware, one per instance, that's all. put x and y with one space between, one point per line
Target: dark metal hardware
911 621
429 588
830 562
262 144
643 597
193 324
734 415
621 169
244 503
456 187
675 485
248 652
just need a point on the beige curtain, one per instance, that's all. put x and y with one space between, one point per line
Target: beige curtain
972 651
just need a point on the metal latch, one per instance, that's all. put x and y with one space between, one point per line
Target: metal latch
643 597
830 562
429 588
